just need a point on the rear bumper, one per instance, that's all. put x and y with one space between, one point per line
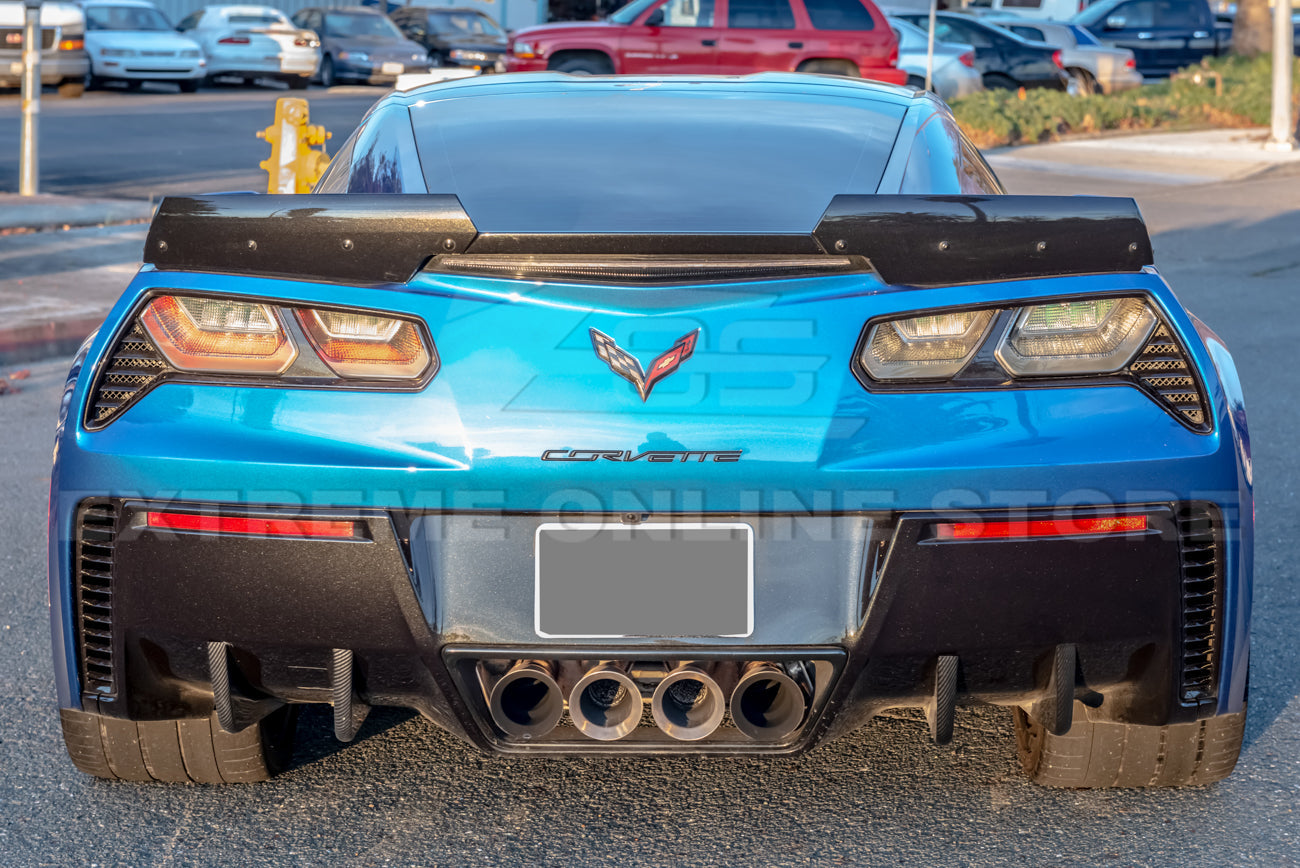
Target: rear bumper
430 603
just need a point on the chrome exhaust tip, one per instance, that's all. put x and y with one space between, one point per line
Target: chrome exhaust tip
605 704
688 704
526 702
767 704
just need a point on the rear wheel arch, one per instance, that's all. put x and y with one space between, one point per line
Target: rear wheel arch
830 66
581 61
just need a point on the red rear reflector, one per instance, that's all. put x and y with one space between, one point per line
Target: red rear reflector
1042 527
252 526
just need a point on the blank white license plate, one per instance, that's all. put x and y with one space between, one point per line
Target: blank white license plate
653 580
392 69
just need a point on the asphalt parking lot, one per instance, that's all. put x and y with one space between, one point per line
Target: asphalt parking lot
405 794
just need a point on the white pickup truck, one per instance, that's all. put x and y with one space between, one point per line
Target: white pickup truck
63 53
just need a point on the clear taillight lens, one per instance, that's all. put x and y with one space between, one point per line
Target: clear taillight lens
219 336
935 346
1076 337
365 346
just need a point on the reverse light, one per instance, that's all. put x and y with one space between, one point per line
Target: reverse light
251 526
1076 337
219 336
362 345
935 346
1036 528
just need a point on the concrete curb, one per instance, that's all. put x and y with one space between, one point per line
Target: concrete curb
45 340
55 212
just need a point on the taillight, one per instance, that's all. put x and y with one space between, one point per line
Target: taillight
1037 528
251 526
304 42
233 40
1056 58
1131 63
219 336
365 346
967 58
72 44
893 54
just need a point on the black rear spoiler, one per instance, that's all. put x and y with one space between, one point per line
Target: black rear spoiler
920 240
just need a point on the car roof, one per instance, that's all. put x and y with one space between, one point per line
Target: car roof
558 84
242 9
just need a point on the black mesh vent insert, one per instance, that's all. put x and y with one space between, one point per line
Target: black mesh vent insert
93 554
1163 370
1198 545
127 375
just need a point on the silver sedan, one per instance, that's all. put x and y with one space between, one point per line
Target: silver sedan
954 71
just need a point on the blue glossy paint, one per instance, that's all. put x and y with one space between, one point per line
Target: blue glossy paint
770 375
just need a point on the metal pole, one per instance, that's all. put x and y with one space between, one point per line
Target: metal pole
929 48
1282 137
28 163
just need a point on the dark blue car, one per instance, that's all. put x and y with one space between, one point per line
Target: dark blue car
652 415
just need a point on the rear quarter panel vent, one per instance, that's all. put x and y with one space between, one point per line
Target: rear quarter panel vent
93 556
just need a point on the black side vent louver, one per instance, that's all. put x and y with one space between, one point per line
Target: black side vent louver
1163 370
96 532
1198 545
127 375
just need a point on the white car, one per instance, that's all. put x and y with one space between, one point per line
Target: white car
130 41
63 54
252 42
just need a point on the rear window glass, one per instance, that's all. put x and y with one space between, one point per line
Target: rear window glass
651 160
760 15
268 20
839 15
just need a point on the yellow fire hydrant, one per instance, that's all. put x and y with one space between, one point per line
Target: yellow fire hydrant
294 166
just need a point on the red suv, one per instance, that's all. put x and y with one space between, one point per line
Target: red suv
724 37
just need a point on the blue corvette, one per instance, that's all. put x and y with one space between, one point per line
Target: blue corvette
654 416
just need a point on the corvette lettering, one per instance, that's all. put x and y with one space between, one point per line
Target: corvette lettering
657 456
624 364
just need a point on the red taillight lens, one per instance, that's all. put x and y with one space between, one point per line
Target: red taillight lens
1131 63
1056 58
252 526
967 58
365 346
1052 527
233 40
893 55
219 336
72 44
302 42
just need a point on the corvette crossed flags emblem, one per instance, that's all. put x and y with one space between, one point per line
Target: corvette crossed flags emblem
624 364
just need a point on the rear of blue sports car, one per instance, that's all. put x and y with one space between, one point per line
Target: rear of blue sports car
713 415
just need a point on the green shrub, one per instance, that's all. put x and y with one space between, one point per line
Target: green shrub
1007 117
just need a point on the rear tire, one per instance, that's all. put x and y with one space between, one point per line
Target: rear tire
188 85
1081 82
327 77
830 67
1096 754
297 82
178 751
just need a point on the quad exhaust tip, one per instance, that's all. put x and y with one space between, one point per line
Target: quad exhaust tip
688 704
767 704
526 702
605 704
